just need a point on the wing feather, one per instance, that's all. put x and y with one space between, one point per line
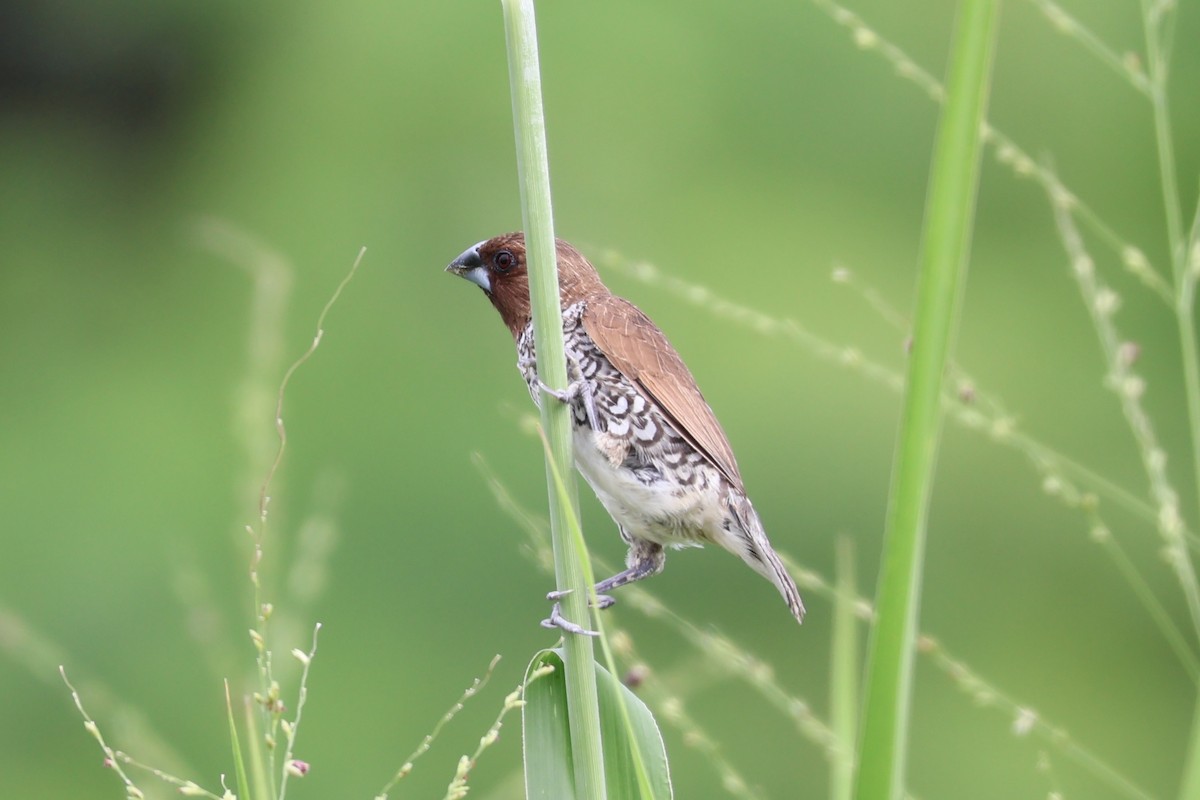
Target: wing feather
635 346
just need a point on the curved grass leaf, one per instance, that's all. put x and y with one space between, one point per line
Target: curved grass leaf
549 771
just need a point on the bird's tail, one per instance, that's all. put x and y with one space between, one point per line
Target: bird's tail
751 544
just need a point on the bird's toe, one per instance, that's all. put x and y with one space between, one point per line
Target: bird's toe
557 620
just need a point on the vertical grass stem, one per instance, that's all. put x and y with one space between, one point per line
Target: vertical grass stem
534 177
949 212
846 672
1157 19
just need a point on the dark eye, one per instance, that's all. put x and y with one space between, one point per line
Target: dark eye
504 260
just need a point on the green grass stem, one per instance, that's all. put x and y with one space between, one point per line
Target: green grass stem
845 673
946 242
645 785
537 215
1158 19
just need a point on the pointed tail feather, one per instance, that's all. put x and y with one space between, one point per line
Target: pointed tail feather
749 541
787 587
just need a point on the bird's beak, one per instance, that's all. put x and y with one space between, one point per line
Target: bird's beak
470 266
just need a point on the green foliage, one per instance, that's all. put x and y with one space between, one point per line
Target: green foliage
547 737
945 249
239 763
734 159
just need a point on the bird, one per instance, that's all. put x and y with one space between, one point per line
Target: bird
643 436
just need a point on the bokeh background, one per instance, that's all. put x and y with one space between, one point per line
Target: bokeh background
158 162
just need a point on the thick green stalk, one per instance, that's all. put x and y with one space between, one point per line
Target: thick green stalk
949 212
534 173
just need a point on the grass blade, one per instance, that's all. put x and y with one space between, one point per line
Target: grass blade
945 244
239 765
258 759
546 735
844 668
634 753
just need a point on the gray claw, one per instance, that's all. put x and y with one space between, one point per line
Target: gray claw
602 600
561 395
556 620
576 388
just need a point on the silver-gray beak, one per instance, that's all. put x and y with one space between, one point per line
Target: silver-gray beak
470 266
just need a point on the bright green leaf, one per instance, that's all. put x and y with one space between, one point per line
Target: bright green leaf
549 773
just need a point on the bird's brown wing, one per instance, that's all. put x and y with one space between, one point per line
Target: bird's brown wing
642 353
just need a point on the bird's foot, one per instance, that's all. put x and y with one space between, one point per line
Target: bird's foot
602 600
573 390
577 388
557 620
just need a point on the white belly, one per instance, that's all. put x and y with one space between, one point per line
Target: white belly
664 512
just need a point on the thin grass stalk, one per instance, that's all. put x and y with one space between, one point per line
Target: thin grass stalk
537 215
1006 149
727 658
946 242
1156 17
995 423
1027 721
844 668
1073 28
1189 787
1101 303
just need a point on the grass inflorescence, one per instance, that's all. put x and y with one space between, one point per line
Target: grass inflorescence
264 723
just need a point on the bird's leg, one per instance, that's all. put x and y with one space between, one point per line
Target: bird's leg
644 560
578 387
526 364
557 620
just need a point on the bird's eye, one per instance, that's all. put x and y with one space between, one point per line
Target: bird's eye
504 260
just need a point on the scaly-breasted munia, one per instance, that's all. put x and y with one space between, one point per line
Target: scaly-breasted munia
644 438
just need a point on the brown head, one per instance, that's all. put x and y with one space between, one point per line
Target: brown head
498 267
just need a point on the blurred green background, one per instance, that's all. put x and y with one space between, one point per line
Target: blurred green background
749 148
